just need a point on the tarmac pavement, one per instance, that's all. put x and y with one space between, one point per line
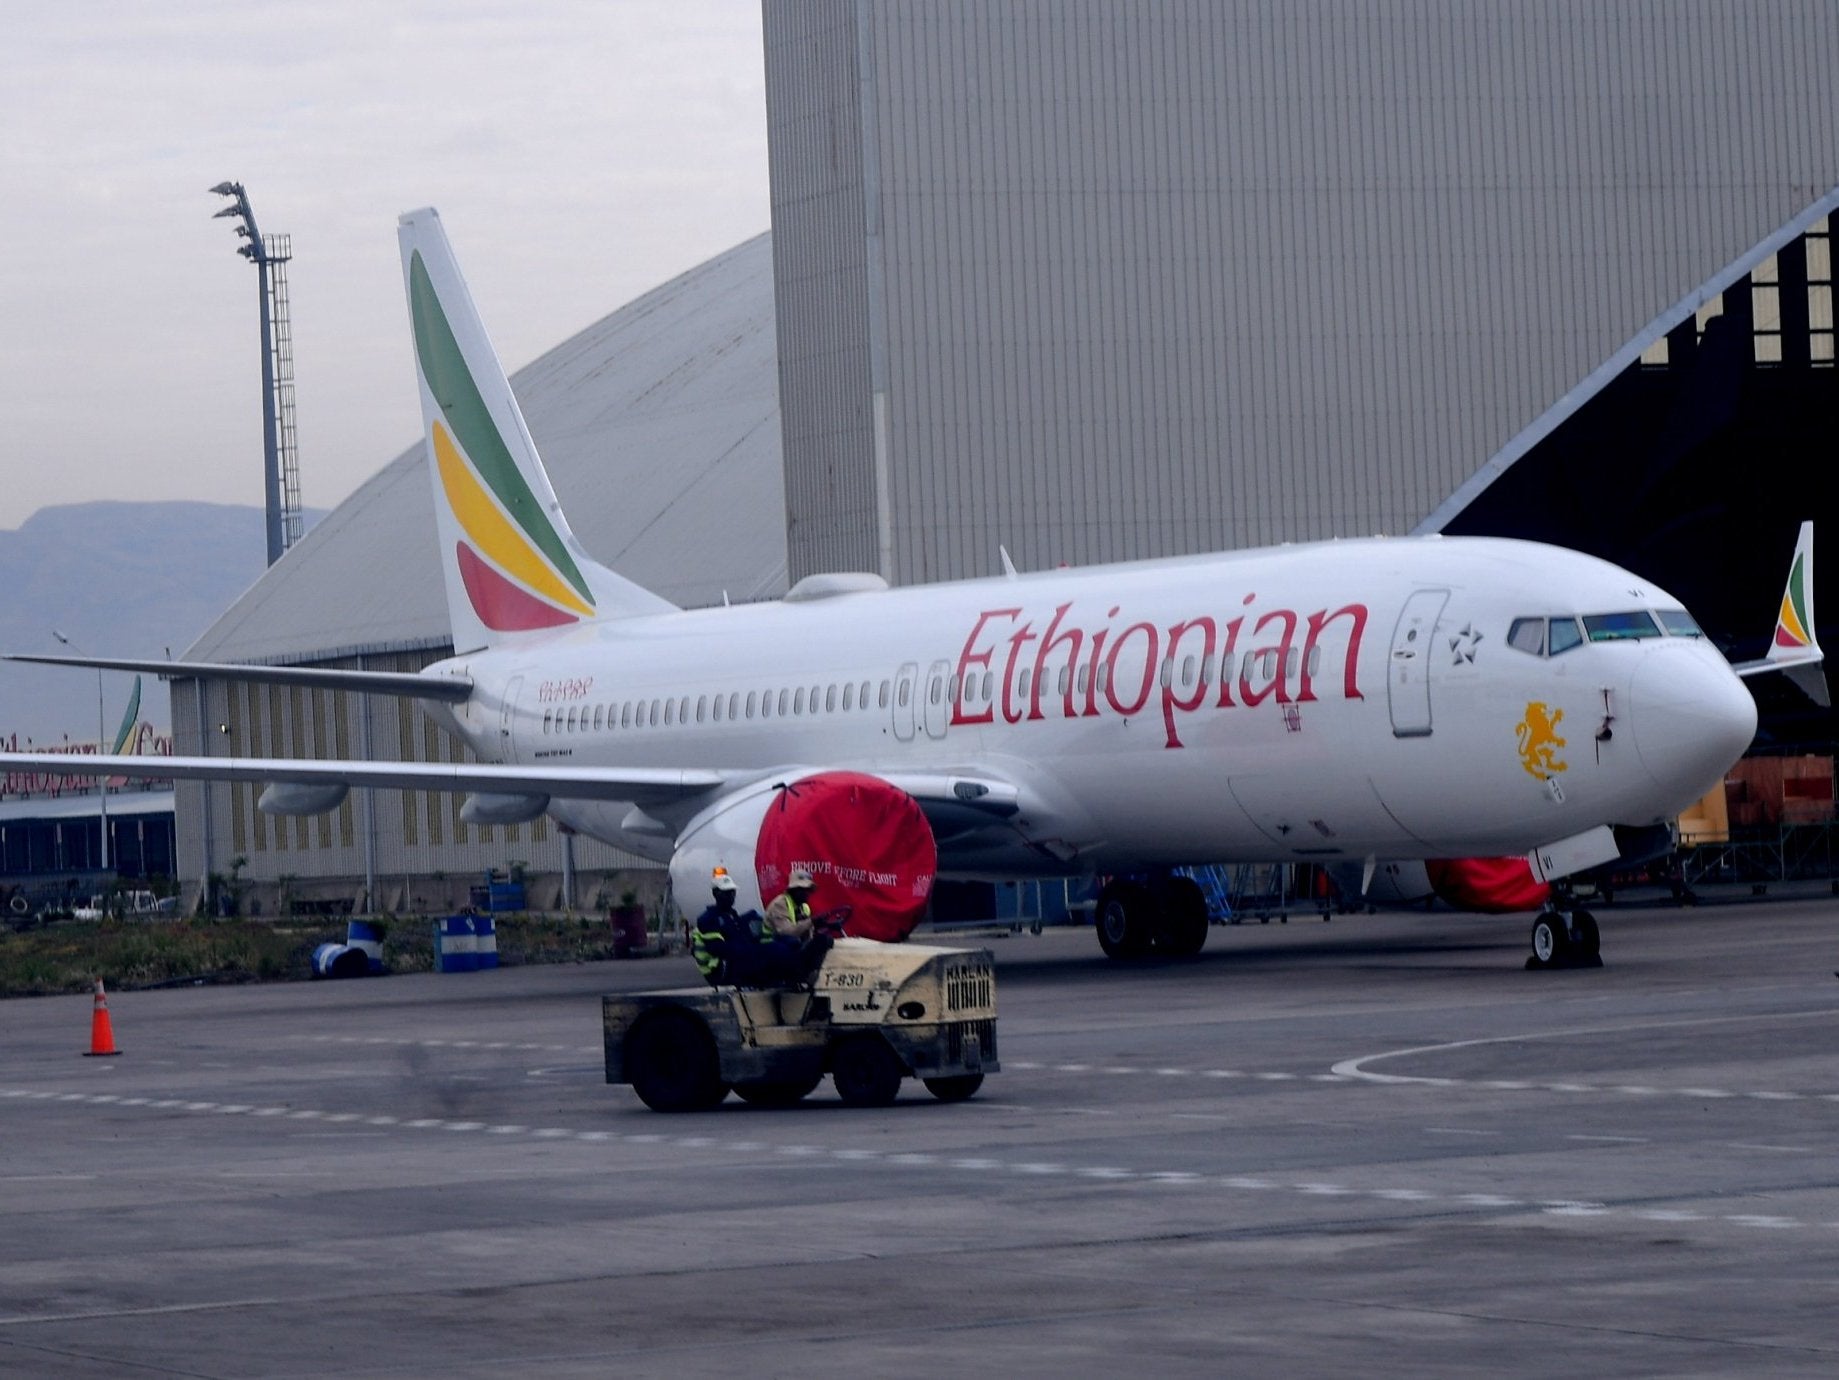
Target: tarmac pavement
1373 1146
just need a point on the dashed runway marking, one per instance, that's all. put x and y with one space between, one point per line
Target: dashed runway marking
1344 1072
970 1164
1347 1071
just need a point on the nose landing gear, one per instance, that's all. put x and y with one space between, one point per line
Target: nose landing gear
1565 936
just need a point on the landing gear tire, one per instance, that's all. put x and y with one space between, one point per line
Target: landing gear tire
1551 941
1586 939
866 1072
1125 918
954 1089
776 1092
1183 931
671 1060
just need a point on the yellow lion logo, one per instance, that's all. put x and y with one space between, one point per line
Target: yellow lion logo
1539 741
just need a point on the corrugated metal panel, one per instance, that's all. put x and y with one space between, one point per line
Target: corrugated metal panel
816 158
1166 278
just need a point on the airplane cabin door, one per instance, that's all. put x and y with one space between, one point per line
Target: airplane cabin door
507 720
1408 670
905 686
938 703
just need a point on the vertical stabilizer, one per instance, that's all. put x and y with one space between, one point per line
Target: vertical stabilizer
510 561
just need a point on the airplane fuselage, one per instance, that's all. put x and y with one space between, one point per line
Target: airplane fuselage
1327 701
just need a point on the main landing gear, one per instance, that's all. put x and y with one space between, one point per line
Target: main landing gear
1163 914
1565 936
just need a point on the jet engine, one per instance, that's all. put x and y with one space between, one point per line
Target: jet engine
865 842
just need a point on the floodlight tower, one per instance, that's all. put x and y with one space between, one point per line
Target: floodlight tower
280 458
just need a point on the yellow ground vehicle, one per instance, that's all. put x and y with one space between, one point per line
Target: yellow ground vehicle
873 1015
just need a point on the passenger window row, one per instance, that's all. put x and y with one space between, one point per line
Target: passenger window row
785 702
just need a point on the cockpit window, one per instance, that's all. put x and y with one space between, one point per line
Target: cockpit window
1679 623
1564 636
1527 635
1620 627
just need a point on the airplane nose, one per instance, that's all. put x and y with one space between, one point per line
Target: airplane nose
1692 718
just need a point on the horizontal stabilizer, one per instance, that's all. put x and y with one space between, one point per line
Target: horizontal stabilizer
447 688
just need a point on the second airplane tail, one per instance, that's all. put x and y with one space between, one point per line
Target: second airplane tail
510 561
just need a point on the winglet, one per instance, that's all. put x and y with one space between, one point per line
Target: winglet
1794 649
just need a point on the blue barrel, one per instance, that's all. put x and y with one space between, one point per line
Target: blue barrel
339 961
485 941
368 936
455 950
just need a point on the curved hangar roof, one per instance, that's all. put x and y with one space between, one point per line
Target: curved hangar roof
659 426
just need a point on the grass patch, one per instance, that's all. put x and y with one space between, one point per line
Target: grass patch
68 956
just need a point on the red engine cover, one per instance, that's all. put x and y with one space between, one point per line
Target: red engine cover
1490 885
865 843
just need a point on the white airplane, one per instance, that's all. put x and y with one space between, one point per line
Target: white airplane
1347 700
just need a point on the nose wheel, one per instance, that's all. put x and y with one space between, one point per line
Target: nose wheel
1565 939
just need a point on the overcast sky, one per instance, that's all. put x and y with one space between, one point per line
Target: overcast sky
580 152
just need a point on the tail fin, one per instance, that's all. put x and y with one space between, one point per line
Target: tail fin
1795 648
511 563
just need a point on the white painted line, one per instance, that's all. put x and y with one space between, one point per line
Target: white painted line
1613 1140
1772 1149
93 1315
1457 1131
1037 1169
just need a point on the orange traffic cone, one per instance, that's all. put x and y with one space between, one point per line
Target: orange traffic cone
101 1030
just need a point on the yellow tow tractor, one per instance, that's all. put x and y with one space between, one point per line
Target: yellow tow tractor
871 1016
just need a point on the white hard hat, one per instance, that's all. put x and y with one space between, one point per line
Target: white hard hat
799 878
721 881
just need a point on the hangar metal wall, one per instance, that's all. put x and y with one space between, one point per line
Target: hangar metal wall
1120 280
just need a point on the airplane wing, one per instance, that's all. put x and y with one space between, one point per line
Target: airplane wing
450 688
642 786
1794 649
954 802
